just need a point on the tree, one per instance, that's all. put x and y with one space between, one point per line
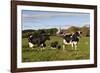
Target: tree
26 33
72 29
85 31
53 31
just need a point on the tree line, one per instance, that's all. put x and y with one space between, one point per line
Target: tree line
26 33
85 31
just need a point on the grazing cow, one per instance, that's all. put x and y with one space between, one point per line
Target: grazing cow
55 45
71 39
39 40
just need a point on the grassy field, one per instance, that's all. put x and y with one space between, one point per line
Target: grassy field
48 54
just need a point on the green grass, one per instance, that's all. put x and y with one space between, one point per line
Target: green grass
48 54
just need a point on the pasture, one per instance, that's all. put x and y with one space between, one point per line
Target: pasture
48 54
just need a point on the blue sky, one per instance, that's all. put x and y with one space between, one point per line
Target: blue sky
32 19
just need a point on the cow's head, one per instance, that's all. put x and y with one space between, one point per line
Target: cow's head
77 34
30 35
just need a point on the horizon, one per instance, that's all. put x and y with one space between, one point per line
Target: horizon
57 28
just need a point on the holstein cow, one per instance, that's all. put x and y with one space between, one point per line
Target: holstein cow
71 39
39 40
55 45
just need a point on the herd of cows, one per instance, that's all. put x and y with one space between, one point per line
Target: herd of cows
68 39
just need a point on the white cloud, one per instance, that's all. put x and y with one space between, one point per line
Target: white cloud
46 15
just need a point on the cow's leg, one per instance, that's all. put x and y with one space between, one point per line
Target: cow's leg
72 44
42 47
75 47
75 43
64 41
64 47
30 45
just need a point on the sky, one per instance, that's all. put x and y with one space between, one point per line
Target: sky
32 19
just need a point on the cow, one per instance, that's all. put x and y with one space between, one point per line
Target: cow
71 39
39 40
55 45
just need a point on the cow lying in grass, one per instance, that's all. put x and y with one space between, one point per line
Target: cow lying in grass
55 45
39 40
71 39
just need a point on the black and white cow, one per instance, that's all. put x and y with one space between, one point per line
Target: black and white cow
39 40
71 39
55 45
